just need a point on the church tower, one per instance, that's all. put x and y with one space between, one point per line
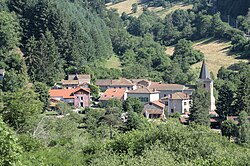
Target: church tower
208 84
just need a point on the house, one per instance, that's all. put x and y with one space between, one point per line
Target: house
2 71
167 89
78 97
145 95
75 80
112 93
179 102
154 110
121 83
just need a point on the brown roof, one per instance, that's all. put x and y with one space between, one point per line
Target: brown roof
117 82
135 81
113 93
159 104
179 96
78 76
151 111
66 93
143 91
70 82
162 86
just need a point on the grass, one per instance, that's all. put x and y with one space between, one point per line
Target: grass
126 5
217 54
113 62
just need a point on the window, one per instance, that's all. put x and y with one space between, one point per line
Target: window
190 102
81 98
185 110
172 110
166 103
185 103
165 95
120 87
204 85
143 99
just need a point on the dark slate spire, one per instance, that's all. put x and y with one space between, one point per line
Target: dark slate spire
204 73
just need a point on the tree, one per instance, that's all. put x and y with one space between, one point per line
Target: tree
243 95
225 100
9 149
43 91
229 129
95 91
199 112
62 108
243 128
21 109
9 31
44 61
133 105
13 82
134 7
135 121
114 103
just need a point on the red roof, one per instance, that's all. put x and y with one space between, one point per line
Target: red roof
158 103
113 93
66 93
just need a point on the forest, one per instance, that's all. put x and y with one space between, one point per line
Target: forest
41 41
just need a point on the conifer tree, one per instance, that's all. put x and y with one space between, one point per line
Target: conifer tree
225 100
199 112
243 95
244 128
44 60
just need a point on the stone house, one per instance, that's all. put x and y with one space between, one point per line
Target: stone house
179 102
75 80
154 110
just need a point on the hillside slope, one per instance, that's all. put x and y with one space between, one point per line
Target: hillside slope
125 6
216 52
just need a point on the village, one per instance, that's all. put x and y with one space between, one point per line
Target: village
160 100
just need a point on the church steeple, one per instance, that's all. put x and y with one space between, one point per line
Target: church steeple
207 82
204 73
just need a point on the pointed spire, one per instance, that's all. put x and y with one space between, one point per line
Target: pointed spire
204 73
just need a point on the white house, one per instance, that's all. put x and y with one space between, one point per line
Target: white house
145 95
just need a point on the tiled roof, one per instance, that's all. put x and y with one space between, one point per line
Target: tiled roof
78 76
179 95
70 82
152 111
117 82
113 93
159 104
66 93
135 81
162 86
143 91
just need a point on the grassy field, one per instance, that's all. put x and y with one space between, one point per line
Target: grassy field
125 6
113 62
216 53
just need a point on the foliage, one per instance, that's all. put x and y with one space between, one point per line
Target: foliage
199 112
133 105
10 150
114 103
94 90
43 91
244 128
63 108
229 129
21 109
